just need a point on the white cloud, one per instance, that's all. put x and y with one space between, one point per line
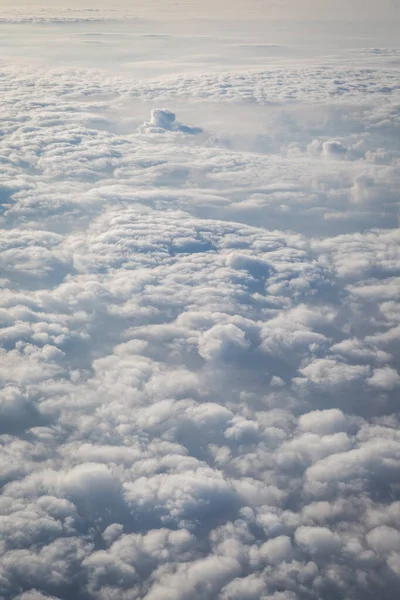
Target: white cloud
384 539
327 372
324 422
218 341
200 333
318 540
333 148
162 119
385 378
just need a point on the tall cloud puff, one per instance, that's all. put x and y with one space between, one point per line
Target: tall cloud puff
162 119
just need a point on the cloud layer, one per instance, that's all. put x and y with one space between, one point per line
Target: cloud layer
200 342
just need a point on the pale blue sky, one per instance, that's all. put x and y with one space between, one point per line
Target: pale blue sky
297 9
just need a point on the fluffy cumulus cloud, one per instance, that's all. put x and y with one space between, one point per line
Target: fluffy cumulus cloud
162 119
200 332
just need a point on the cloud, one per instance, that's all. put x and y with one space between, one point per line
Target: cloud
200 333
173 421
162 119
318 540
324 422
333 148
385 378
220 339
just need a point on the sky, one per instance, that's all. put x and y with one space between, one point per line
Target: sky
276 9
199 301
